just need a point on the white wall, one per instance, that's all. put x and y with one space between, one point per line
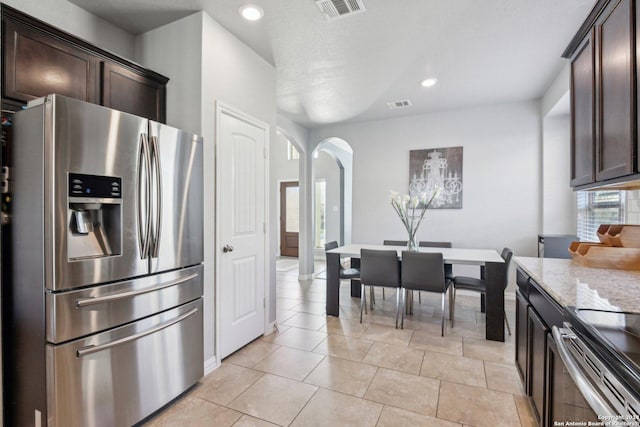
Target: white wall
326 168
558 200
77 21
163 50
205 64
556 91
282 169
501 168
299 136
237 76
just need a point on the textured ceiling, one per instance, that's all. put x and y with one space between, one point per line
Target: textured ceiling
481 52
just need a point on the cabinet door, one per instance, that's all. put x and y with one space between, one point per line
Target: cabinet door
537 361
521 338
615 76
583 113
131 92
37 64
555 380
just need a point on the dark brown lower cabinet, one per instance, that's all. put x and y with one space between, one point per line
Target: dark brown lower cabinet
555 374
522 306
537 332
541 370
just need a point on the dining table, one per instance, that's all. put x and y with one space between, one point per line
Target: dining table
494 270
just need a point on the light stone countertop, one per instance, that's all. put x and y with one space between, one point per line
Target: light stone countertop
572 284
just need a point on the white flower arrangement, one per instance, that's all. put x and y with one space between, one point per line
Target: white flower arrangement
411 211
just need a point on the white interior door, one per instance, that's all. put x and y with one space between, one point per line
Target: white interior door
241 230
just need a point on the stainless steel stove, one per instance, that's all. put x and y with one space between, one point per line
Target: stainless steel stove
601 352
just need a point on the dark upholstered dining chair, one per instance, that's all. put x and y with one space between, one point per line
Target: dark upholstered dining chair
379 268
395 242
480 285
424 272
345 273
448 268
390 243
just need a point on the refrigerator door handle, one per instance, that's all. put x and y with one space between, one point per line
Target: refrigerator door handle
144 224
91 349
83 302
158 229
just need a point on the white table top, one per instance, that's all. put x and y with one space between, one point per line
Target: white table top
450 255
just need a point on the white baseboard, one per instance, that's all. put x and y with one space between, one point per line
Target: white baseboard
210 365
270 328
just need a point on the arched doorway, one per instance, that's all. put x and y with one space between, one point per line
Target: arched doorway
332 190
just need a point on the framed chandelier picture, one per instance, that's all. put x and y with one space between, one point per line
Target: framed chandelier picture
437 169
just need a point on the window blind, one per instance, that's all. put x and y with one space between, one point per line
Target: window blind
598 207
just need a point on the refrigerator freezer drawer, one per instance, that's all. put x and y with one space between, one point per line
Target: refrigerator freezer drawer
119 377
83 312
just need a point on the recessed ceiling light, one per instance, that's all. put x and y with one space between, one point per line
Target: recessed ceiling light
429 82
251 12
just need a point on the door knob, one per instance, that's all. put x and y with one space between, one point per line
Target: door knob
227 248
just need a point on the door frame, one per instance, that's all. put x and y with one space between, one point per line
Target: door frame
279 202
223 108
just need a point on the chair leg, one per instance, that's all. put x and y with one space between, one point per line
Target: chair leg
383 294
506 321
363 302
397 305
403 306
442 333
450 302
419 297
372 300
411 303
453 306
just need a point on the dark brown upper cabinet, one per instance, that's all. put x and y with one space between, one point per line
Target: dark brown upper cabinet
615 95
36 65
131 92
603 97
39 59
583 113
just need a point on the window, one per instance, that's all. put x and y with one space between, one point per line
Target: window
598 207
292 153
321 213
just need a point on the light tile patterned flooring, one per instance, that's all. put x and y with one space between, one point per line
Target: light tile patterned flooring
320 370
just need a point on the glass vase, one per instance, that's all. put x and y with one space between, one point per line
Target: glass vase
412 245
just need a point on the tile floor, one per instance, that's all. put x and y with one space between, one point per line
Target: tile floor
327 371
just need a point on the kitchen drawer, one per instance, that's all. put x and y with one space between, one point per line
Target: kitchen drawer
119 377
522 279
82 312
549 310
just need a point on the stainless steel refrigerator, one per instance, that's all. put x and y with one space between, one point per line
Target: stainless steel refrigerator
105 308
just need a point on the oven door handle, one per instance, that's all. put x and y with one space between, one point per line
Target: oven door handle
91 349
599 405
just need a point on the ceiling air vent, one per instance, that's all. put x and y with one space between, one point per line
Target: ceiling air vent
334 9
399 104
